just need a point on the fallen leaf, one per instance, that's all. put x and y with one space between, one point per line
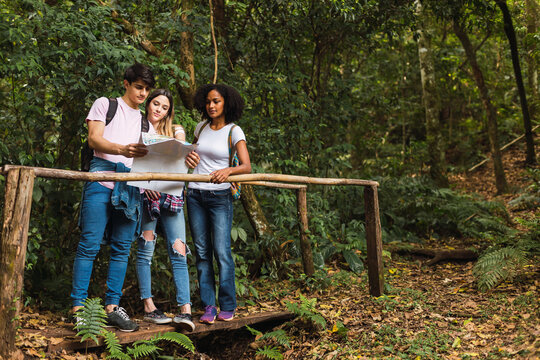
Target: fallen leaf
55 341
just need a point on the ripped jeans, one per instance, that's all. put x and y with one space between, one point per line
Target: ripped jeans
174 231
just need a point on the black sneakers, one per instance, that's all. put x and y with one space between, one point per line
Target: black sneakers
185 321
119 319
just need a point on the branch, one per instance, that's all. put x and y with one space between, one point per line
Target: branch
214 41
131 30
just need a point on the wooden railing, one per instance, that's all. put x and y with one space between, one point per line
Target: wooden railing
18 201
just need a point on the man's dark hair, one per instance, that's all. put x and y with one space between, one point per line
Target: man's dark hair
140 72
234 104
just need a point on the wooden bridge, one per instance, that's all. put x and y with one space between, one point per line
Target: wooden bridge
71 342
13 244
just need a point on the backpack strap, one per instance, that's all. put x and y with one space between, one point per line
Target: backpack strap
113 105
200 131
232 150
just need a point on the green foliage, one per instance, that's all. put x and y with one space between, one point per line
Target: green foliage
505 260
92 320
343 95
92 324
270 352
280 336
415 208
306 311
530 198
497 266
113 346
317 282
177 338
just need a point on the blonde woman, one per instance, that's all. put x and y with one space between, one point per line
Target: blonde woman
168 209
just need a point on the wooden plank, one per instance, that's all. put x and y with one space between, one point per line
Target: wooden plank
374 242
17 205
147 330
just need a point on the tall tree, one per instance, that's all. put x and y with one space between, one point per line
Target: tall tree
430 97
500 178
511 35
186 55
532 11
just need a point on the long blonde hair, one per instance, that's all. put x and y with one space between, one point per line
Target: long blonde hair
164 127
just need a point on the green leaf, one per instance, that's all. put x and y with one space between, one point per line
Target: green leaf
353 260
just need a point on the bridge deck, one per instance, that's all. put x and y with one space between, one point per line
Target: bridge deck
63 337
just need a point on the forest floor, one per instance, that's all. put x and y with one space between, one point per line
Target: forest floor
427 312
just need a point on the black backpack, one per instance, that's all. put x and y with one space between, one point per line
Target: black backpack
87 153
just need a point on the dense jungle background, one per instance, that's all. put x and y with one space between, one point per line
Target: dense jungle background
411 94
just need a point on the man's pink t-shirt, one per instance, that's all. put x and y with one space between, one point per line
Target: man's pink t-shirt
124 128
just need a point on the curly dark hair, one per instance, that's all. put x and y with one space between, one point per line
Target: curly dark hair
234 104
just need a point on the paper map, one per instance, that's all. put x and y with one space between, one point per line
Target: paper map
165 155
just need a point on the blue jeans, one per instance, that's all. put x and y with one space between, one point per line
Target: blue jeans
96 212
174 228
210 216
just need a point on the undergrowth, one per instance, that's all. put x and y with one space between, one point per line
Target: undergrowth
91 324
508 256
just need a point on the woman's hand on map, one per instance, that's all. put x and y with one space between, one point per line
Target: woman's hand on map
192 159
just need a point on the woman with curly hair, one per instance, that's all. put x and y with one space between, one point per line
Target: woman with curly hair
209 205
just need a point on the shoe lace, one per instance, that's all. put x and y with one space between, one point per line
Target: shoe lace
122 312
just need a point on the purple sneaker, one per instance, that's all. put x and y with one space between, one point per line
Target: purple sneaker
209 316
225 315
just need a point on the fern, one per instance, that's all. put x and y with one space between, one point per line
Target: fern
113 346
92 320
497 266
177 338
254 331
142 349
280 336
306 310
272 353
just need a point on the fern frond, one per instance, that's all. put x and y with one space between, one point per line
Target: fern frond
176 338
306 310
272 353
142 350
253 331
113 346
497 266
280 336
91 320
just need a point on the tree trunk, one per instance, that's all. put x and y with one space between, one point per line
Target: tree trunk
255 212
532 10
186 57
511 35
17 205
500 178
260 225
305 243
430 99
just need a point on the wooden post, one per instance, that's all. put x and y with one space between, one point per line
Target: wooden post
17 204
305 244
374 241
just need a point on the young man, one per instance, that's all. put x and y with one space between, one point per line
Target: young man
115 145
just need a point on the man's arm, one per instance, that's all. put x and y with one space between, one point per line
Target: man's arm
99 143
